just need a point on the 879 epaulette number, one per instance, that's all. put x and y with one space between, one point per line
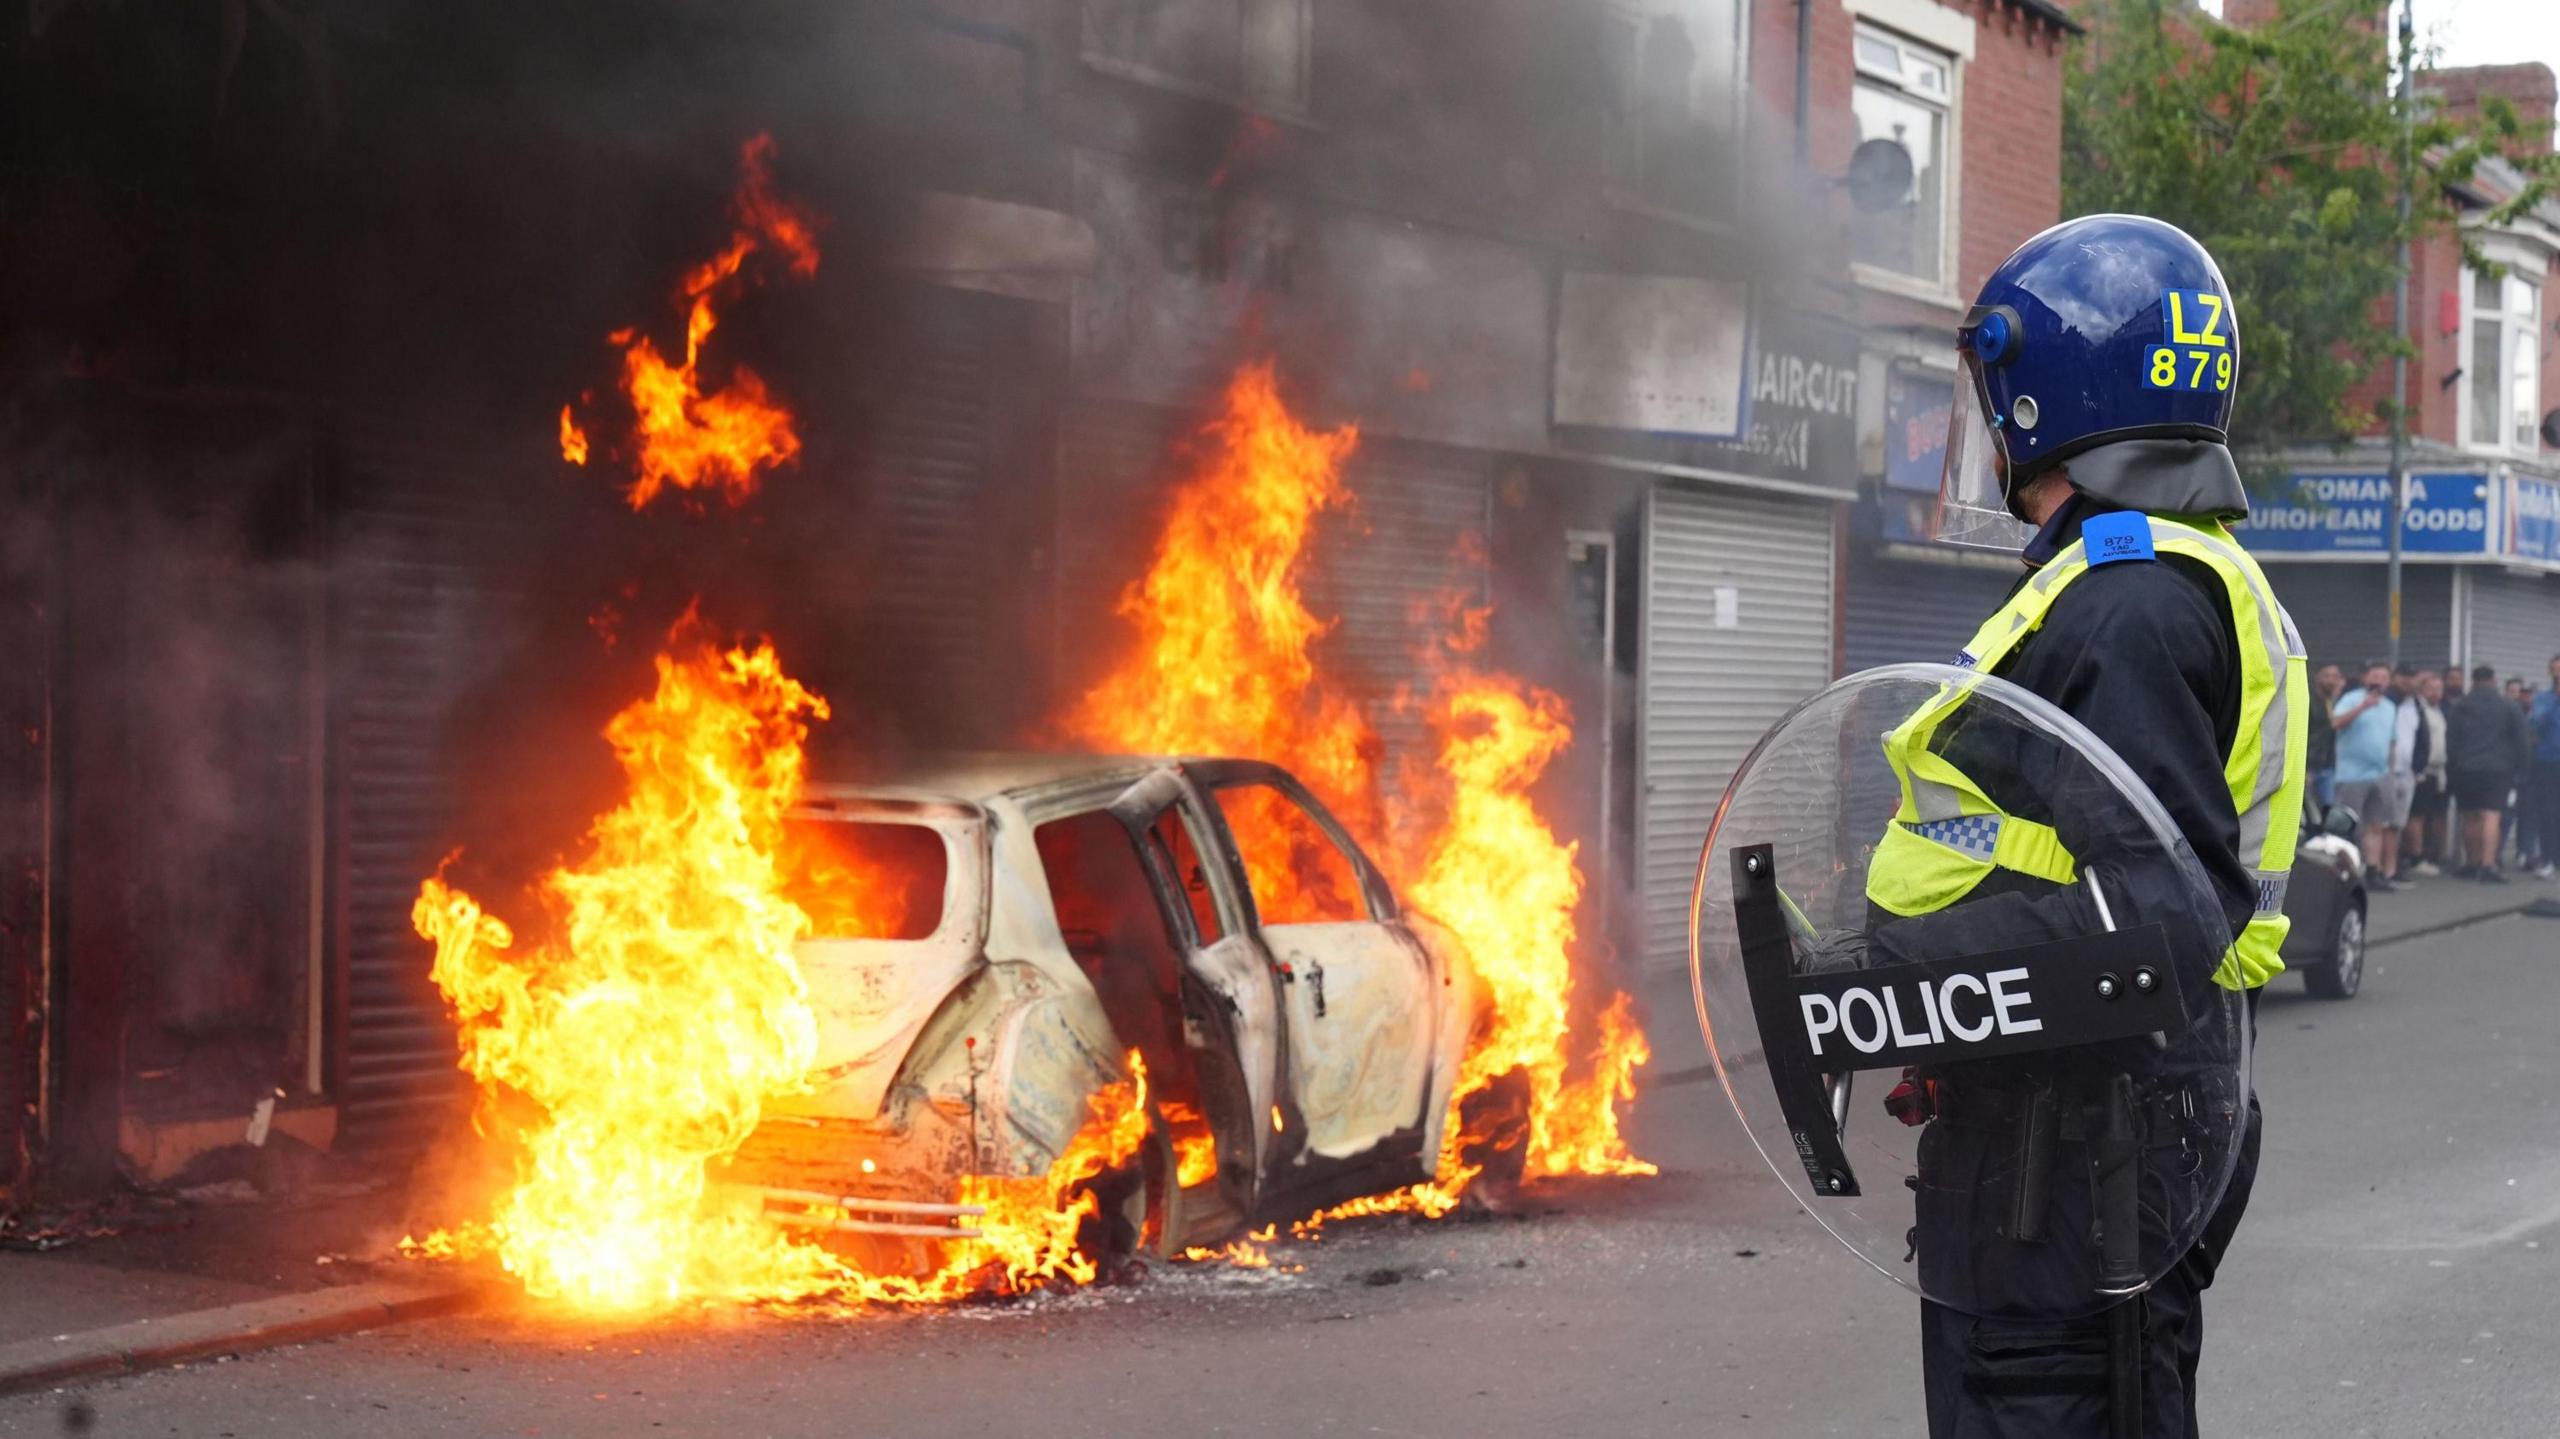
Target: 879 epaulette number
2198 355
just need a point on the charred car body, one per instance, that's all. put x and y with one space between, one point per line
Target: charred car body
992 936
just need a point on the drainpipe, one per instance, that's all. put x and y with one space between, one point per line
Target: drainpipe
1804 74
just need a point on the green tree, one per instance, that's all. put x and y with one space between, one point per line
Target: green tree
2275 146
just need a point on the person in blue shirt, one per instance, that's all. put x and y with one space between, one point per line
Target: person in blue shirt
2543 774
2368 724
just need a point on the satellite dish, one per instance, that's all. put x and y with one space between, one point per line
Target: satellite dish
2551 429
1879 175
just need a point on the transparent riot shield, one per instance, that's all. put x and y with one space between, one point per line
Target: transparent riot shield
1956 970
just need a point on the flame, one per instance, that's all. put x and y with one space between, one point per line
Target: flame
638 1044
651 1031
1225 660
721 440
1195 1147
573 441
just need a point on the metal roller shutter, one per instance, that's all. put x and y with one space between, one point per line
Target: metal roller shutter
2343 611
1386 570
936 513
2514 623
1412 538
1897 610
422 576
1710 690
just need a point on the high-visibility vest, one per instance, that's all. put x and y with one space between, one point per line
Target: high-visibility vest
1948 835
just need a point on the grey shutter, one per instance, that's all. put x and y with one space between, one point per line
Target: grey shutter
423 575
940 569
1895 610
2343 611
1710 693
1413 540
2514 621
1413 537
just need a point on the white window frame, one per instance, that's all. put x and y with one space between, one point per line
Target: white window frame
1098 56
2530 265
1951 33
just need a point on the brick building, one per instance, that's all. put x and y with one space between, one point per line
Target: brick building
1976 93
2482 538
1624 353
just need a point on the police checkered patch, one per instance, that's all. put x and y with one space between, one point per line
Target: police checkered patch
1974 834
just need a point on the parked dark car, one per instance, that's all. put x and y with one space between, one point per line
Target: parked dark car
2327 904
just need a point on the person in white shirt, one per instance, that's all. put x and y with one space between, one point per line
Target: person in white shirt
2424 835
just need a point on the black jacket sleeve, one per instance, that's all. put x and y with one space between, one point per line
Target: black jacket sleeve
2142 653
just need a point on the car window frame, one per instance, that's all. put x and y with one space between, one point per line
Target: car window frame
1165 791
1212 776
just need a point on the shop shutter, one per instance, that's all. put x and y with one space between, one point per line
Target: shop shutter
2343 611
424 573
1387 571
2514 621
1898 610
1412 539
941 563
1711 690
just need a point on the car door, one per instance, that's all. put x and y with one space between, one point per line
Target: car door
1357 992
1230 1011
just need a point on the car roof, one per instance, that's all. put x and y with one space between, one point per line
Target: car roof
976 777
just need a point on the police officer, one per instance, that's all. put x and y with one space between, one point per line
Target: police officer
2101 362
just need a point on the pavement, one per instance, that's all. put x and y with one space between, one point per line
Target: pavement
2396 1277
2431 906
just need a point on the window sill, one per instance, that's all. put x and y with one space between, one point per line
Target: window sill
1112 65
1909 287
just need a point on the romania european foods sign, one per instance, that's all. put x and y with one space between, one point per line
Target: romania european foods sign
2448 514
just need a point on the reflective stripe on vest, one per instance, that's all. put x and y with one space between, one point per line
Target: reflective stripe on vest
1948 835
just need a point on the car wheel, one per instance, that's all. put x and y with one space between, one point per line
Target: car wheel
2341 972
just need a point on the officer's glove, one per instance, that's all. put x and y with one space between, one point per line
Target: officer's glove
1832 952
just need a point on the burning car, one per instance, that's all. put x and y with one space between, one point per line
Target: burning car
991 935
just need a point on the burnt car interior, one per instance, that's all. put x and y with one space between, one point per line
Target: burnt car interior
1129 939
866 878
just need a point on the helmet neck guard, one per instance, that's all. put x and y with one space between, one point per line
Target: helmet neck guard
2163 477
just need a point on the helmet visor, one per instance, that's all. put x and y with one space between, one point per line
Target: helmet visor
1973 506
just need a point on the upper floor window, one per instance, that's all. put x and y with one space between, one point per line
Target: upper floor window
1252 51
2506 351
1905 93
1678 72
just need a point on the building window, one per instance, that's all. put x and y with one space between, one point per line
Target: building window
1906 93
1252 51
2506 350
1678 74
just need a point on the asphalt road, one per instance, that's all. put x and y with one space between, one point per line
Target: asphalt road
2397 1276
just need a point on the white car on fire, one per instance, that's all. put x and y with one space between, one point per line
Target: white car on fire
1026 921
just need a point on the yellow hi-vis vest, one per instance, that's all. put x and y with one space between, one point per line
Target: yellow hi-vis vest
1948 835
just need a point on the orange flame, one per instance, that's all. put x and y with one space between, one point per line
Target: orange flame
1226 662
686 438
638 1045
573 441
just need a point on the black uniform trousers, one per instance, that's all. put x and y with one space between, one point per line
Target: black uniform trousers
1990 1379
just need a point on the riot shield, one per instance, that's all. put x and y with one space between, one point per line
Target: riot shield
1956 970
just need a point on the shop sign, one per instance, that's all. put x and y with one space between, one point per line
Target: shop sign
2533 519
2349 514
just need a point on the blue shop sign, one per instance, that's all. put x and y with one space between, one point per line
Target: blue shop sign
2348 514
1915 452
2533 519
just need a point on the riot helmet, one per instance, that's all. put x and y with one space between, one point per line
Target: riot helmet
2109 344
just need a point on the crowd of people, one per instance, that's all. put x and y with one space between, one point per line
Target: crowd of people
2447 777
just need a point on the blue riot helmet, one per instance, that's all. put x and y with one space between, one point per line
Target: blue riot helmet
2108 345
